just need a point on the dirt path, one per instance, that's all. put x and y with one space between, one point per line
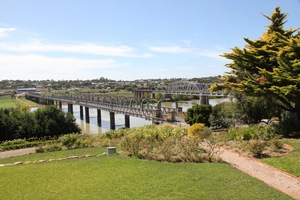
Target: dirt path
18 152
275 178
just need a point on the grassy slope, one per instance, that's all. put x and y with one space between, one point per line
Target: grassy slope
289 163
24 101
117 177
7 102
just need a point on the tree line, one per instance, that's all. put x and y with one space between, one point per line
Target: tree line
44 122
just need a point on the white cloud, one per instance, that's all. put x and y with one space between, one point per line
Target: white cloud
83 48
169 49
211 54
214 53
5 31
32 66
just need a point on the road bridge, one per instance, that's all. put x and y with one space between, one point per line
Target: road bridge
123 105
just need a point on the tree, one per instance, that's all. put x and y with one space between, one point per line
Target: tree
198 114
268 67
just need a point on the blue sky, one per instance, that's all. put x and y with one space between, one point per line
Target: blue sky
128 39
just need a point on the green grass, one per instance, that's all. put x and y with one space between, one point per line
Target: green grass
118 177
24 101
7 102
290 162
54 155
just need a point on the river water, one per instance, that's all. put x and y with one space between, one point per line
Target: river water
93 129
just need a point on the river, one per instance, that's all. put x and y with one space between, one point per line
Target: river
93 129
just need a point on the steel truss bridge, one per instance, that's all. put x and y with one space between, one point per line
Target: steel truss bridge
192 88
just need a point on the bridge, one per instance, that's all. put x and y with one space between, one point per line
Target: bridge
183 88
137 106
129 106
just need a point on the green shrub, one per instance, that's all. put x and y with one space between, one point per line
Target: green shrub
49 148
256 147
163 143
198 114
69 140
223 115
199 130
275 144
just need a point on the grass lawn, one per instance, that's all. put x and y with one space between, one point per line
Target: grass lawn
7 102
118 177
24 101
290 162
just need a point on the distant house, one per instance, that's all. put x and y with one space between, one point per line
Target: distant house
24 90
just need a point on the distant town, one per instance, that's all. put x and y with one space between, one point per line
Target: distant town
101 85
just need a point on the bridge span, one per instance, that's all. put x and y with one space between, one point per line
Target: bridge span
183 88
123 105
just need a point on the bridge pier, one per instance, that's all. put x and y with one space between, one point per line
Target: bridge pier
203 99
50 102
99 117
87 115
60 104
127 121
81 112
70 108
112 120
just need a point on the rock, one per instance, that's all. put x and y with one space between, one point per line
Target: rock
18 163
73 157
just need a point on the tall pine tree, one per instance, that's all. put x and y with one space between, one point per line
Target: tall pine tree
268 67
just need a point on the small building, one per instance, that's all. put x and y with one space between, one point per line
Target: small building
24 90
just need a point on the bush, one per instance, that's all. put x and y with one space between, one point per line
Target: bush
163 143
199 130
256 147
17 144
49 148
69 140
223 115
198 114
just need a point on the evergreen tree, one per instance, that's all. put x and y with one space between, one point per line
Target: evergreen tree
268 67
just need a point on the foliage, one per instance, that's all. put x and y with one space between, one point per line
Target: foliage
268 67
21 123
255 139
159 96
199 130
252 110
72 141
223 115
256 147
69 140
162 143
198 114
49 148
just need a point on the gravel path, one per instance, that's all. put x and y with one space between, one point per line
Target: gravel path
18 152
275 178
